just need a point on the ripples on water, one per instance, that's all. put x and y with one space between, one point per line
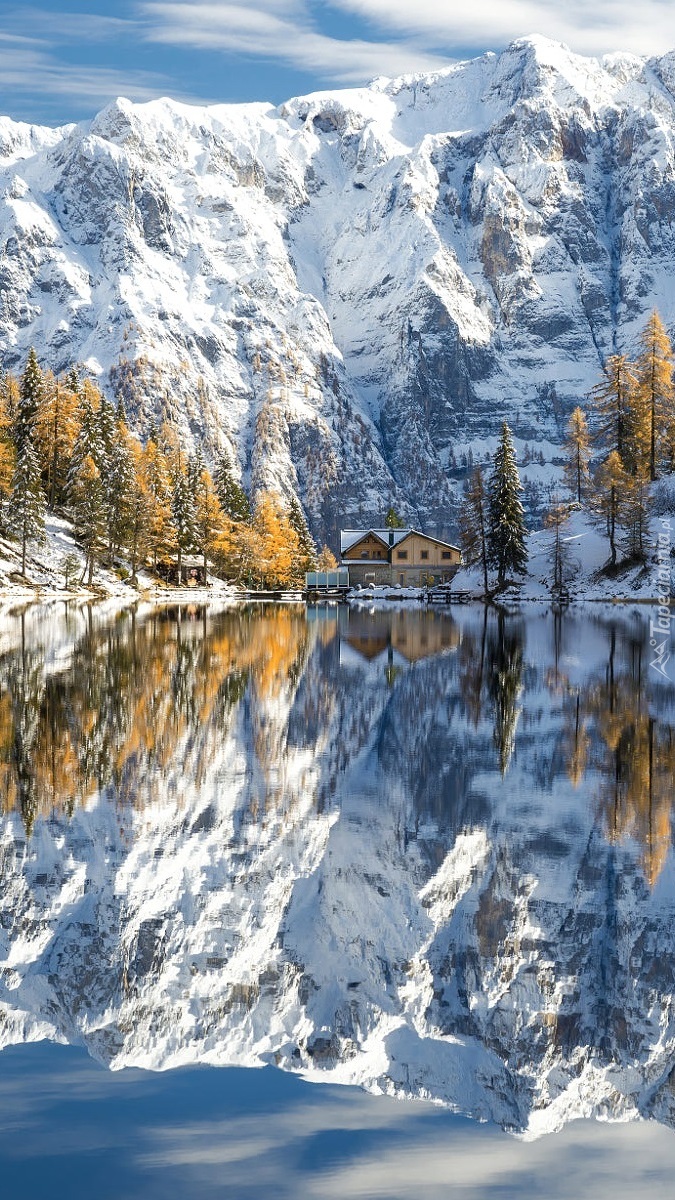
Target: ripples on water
429 854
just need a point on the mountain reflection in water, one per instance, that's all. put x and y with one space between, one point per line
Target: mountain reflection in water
423 853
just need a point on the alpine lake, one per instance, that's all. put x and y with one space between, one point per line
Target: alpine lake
331 902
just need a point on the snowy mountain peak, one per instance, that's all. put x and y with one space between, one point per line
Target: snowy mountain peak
352 289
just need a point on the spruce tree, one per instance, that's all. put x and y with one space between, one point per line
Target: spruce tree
85 490
27 499
233 499
118 484
107 427
614 399
506 529
73 381
30 398
635 517
306 554
184 516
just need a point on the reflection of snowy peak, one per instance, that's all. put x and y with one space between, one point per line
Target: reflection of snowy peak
334 887
351 288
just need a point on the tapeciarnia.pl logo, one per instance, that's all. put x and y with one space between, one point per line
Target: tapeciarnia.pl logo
659 626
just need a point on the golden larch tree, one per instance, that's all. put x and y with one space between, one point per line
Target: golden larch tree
577 455
654 394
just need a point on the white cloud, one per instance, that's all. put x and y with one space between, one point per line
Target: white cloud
406 36
647 27
23 61
395 37
282 31
63 26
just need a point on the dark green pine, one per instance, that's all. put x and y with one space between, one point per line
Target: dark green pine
507 531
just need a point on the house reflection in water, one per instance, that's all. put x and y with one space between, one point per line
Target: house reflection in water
395 638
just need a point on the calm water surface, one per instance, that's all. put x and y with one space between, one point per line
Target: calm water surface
427 854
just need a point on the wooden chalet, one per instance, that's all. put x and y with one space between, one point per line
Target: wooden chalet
397 558
191 573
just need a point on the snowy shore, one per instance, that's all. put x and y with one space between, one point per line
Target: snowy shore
584 574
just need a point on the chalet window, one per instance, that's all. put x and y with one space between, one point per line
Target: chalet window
365 554
424 555
446 554
401 553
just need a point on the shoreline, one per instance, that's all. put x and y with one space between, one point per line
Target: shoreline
223 595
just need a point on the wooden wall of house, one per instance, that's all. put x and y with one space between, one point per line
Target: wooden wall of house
368 547
415 547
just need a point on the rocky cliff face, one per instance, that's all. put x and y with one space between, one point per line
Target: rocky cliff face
471 905
350 290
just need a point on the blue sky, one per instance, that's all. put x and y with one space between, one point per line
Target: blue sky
62 60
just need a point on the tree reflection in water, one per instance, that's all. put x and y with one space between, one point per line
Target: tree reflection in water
272 834
142 698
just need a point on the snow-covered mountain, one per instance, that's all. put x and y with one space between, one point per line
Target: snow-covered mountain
352 288
278 864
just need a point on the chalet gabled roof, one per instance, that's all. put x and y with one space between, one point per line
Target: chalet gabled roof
350 537
429 537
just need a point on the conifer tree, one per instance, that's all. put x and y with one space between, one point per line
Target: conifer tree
30 399
88 441
27 499
56 427
635 517
506 529
306 548
118 485
184 516
326 560
473 524
107 423
278 546
161 533
654 393
577 455
10 398
7 453
612 483
85 491
233 499
86 504
392 519
210 519
141 504
614 398
556 518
